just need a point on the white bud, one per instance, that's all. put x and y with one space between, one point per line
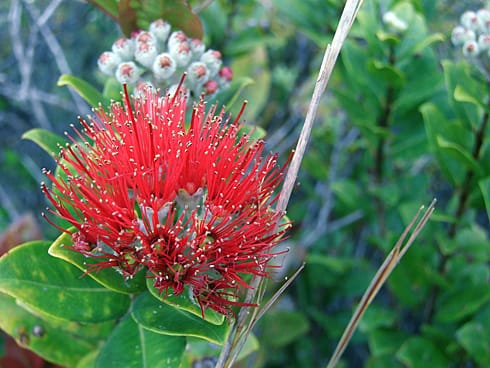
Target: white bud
470 49
176 38
160 29
145 37
197 47
212 59
164 66
127 72
484 42
458 35
146 53
469 20
124 48
394 23
197 74
181 53
483 16
108 62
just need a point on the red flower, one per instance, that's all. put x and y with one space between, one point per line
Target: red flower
191 204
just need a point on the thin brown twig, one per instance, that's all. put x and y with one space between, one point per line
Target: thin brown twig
380 278
240 331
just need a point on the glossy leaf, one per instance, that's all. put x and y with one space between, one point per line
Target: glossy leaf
462 301
41 337
177 12
45 139
485 191
459 153
47 285
109 7
132 346
420 352
107 277
184 302
163 318
84 89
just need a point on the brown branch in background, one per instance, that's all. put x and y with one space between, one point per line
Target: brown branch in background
246 316
380 278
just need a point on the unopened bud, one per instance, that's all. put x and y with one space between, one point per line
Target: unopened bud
124 48
146 37
181 53
394 23
197 73
176 38
458 35
470 49
212 59
484 42
108 62
483 16
164 66
469 20
160 29
210 87
127 72
145 53
197 48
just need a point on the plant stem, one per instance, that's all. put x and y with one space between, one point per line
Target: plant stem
383 123
464 194
239 332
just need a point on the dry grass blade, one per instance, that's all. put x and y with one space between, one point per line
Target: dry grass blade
379 279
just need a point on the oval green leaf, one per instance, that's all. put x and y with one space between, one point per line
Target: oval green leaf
45 139
132 346
162 318
88 92
41 337
55 288
107 277
185 302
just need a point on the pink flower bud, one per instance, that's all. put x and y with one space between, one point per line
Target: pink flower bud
226 73
197 47
124 48
210 87
483 16
127 72
164 66
145 53
142 88
146 37
160 29
471 49
176 38
484 42
469 20
212 59
108 62
197 74
181 53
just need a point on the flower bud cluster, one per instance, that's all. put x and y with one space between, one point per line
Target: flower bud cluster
473 33
158 57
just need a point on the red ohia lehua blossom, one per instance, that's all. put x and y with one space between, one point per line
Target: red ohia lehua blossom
190 203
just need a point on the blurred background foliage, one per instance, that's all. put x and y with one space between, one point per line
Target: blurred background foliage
404 120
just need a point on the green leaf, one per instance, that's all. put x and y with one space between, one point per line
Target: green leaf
159 317
41 337
427 41
187 303
231 95
419 352
107 6
107 277
88 361
281 327
461 301
132 346
48 141
55 288
383 341
462 95
84 89
177 12
475 338
254 132
484 185
459 153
